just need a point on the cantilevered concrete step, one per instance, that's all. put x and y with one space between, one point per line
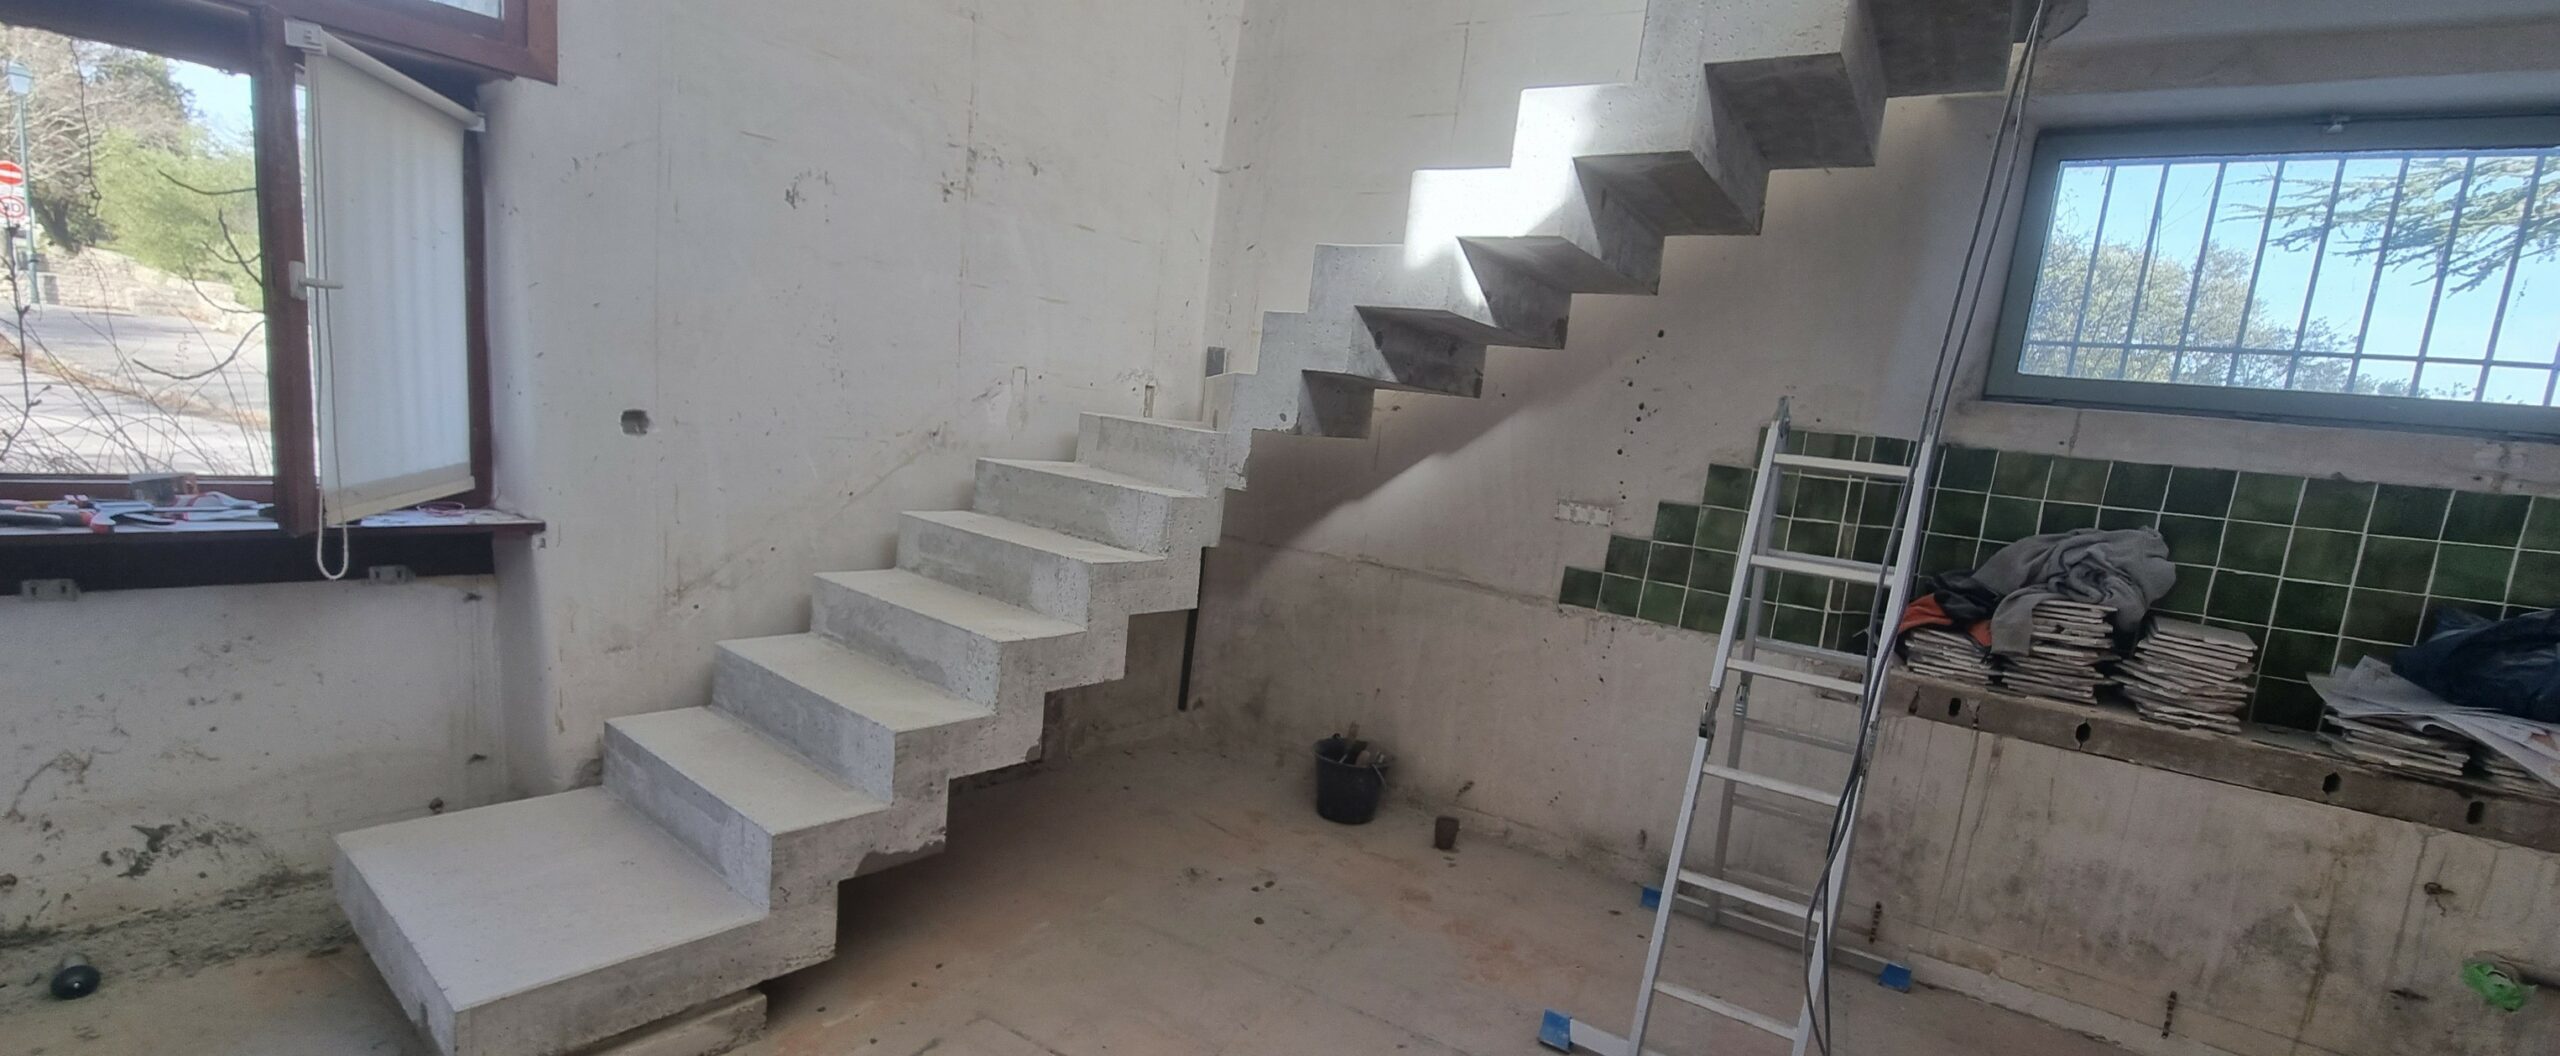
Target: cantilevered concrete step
1931 47
543 924
776 828
968 643
1098 504
872 726
1041 569
1186 456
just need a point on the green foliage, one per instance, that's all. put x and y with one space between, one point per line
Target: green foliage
190 211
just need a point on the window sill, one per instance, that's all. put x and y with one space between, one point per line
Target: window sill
2282 762
224 553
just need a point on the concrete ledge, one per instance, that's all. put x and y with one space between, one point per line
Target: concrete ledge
707 1029
2282 762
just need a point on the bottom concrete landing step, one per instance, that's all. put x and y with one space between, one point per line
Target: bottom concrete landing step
545 924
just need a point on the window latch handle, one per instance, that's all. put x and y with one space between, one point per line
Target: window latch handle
298 275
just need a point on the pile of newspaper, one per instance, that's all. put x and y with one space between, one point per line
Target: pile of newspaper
1942 653
2071 641
2384 719
2188 674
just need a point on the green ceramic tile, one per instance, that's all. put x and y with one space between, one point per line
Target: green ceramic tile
1946 553
2200 492
2196 540
1967 468
1721 529
1817 538
1822 498
2066 517
2384 616
2281 702
1982 551
1778 528
2114 518
2320 607
1878 502
1831 445
1893 451
1712 570
2542 526
2436 607
2240 597
2536 582
2136 485
2187 595
1703 612
2266 497
2396 564
2413 513
1669 564
2021 474
2489 520
1788 484
1844 632
1793 444
1675 522
1627 556
2339 504
2253 547
1662 602
2008 520
2473 573
1871 544
1956 512
1801 626
1620 595
2293 654
2351 651
1729 487
1857 599
2081 480
2325 556
1866 450
1581 588
1812 592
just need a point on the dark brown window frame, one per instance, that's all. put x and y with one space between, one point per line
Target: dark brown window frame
248 37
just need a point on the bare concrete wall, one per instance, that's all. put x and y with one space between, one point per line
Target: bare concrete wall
1407 582
832 253
168 750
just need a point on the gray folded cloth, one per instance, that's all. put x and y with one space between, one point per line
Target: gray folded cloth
2127 568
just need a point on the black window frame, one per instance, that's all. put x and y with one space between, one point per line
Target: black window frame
2005 382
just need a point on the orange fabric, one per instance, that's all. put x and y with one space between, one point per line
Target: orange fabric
1926 612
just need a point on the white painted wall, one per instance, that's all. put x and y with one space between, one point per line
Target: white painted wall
834 252
166 750
1407 582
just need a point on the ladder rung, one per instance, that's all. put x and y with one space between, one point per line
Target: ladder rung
1785 733
1816 653
1783 788
1725 1008
1826 567
1774 904
1845 467
1826 683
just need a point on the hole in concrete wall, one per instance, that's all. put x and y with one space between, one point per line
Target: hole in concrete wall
2475 812
1955 706
2081 735
2329 784
635 423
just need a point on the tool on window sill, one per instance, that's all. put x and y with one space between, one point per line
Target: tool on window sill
22 515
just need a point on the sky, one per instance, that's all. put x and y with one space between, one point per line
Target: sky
221 99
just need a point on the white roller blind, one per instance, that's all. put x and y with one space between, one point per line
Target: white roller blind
387 282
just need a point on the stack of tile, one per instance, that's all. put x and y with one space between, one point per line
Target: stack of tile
2188 674
2071 642
2391 745
2506 776
1942 653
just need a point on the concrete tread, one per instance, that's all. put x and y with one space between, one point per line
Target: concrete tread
1033 536
507 898
764 782
939 601
897 701
1181 424
1095 475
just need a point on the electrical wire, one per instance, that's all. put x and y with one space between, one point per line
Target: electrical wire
1999 181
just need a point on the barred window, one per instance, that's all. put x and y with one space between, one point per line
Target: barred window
2395 272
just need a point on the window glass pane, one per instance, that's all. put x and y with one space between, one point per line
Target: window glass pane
138 338
2433 273
491 8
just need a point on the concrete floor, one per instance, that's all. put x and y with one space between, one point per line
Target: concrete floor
1143 903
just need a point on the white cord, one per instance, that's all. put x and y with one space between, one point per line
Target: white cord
316 296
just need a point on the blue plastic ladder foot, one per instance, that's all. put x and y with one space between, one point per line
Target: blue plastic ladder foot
1895 976
1555 1031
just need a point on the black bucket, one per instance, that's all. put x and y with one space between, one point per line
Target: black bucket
1345 793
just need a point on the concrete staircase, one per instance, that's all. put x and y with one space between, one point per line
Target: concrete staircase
709 859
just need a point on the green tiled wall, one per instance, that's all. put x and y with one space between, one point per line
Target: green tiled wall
2317 571
1679 574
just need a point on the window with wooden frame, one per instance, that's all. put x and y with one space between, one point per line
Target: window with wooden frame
247 247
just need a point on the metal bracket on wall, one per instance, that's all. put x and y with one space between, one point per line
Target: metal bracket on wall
389 575
49 589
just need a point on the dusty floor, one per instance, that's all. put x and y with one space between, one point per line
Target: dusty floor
1173 903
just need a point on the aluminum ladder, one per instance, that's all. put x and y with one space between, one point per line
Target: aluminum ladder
1713 885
